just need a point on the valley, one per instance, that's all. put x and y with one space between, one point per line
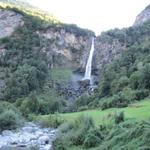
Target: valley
94 90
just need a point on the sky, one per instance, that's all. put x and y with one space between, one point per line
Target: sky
96 15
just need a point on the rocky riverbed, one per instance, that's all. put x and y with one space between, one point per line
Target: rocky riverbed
29 137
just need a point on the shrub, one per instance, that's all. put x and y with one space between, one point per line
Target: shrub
119 117
10 117
82 108
9 120
94 137
51 121
141 94
4 106
91 141
74 133
59 145
82 101
30 105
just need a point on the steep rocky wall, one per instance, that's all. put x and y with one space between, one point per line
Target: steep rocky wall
9 20
105 52
65 49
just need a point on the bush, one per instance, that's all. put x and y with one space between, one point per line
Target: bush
30 105
4 106
51 121
74 133
59 145
91 141
9 120
114 101
119 117
82 101
82 108
94 137
10 117
141 94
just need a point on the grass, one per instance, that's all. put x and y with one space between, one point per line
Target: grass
137 111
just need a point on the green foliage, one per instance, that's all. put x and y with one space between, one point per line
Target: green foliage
9 120
10 117
45 103
24 80
119 117
93 138
30 105
74 133
28 68
50 121
27 65
82 102
60 75
127 78
78 31
25 8
91 141
114 101
125 135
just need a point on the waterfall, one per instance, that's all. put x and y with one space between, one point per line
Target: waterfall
89 63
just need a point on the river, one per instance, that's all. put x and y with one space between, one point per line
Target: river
29 137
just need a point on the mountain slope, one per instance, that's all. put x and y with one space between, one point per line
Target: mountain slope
34 47
143 16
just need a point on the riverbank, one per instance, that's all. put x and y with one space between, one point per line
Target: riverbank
29 136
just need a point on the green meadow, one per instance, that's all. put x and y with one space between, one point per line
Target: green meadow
137 111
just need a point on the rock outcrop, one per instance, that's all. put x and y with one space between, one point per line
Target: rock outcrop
106 52
66 49
9 21
143 16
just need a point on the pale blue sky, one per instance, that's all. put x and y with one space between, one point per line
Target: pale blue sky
97 15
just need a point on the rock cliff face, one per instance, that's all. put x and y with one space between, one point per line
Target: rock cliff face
9 20
65 49
105 52
143 16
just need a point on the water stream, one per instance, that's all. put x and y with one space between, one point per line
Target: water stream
31 136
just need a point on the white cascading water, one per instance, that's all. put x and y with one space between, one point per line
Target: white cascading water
89 63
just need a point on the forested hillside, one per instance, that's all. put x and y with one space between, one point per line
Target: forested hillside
29 67
125 79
